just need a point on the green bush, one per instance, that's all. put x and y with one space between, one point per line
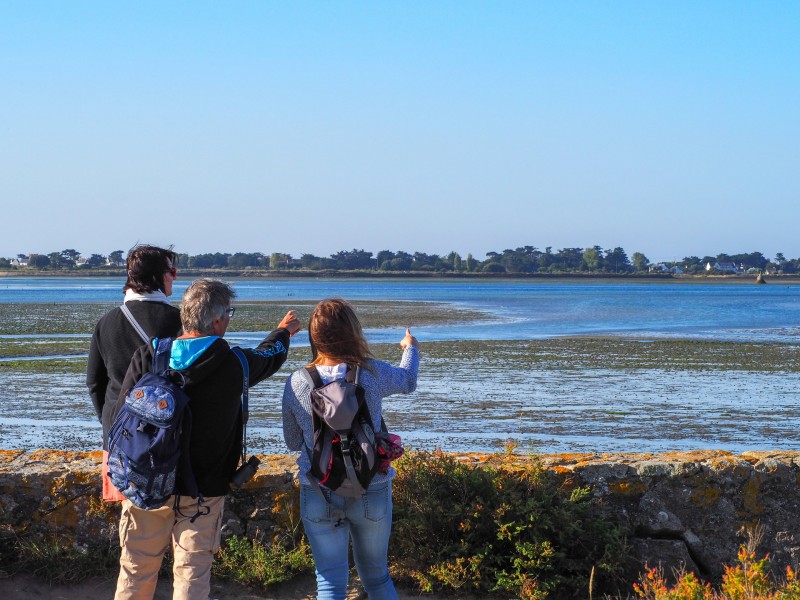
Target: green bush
57 563
508 530
498 530
252 563
260 562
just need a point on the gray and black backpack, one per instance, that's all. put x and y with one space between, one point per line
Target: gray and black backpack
344 457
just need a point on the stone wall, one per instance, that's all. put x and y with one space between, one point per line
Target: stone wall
681 508
695 508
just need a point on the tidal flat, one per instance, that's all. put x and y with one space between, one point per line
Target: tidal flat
59 330
65 319
562 394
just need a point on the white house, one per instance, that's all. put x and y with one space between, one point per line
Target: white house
658 268
664 268
725 267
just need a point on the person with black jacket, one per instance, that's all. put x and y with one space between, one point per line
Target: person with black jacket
213 382
151 273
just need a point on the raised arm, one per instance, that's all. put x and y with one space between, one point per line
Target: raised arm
273 350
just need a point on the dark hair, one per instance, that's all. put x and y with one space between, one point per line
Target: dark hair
146 268
335 332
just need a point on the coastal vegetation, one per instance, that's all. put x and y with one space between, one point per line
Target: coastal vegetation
490 526
748 579
522 260
506 530
510 529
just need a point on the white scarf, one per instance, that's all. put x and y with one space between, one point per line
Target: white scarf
157 296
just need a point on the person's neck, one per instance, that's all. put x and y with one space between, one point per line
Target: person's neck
187 335
326 361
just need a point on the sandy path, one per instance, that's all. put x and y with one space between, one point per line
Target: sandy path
27 587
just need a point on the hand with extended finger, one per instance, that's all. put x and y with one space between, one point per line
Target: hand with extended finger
408 340
291 322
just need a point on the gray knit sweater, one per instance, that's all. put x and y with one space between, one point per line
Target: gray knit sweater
379 379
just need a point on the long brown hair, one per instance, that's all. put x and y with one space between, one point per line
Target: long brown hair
335 333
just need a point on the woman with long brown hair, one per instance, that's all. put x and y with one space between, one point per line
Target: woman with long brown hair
330 519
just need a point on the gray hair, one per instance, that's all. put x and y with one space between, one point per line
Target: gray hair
204 301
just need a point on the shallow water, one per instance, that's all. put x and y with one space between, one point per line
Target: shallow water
523 309
499 362
466 401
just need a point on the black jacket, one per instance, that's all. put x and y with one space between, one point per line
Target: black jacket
113 344
213 378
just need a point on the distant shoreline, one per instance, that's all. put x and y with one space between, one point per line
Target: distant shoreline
361 274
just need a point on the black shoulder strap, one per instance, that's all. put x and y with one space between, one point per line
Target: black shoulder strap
311 375
353 374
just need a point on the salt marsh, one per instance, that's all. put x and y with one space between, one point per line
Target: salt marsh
556 368
561 395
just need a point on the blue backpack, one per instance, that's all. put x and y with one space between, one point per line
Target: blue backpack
148 441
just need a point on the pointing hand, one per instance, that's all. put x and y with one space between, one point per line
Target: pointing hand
409 340
291 322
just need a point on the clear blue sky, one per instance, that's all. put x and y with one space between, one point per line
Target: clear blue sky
668 128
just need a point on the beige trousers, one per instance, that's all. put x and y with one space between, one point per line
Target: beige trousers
144 536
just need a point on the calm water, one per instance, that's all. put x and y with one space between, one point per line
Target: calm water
462 405
524 309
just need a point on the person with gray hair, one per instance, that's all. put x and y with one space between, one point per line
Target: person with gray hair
213 381
203 302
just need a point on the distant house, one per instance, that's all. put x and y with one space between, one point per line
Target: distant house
658 268
725 267
768 270
15 262
664 268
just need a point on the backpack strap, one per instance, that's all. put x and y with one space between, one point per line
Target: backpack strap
311 375
350 469
245 397
134 323
353 375
160 365
163 349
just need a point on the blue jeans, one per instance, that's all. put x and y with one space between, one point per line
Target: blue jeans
368 521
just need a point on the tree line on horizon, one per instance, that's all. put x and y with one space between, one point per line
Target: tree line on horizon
526 259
